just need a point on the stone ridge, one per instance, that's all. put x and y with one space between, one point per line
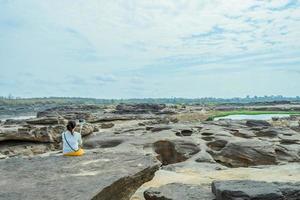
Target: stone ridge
58 177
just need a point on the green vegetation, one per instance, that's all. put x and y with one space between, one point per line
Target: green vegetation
216 114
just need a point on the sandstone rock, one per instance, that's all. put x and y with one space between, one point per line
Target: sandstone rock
215 131
14 122
289 153
86 129
101 176
120 117
79 115
179 191
2 156
203 156
217 145
290 191
208 138
40 149
141 124
168 111
163 120
96 129
290 137
269 132
174 119
247 152
21 148
92 143
39 134
107 125
185 132
255 190
254 123
47 121
139 108
159 121
242 133
170 152
158 128
131 129
71 112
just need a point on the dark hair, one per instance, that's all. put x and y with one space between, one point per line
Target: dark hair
71 125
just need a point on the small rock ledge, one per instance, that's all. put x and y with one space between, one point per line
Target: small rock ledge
125 187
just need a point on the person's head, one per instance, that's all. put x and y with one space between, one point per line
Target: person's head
71 126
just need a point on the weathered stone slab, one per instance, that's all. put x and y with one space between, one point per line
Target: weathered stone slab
101 176
247 152
255 190
179 191
39 133
139 108
257 123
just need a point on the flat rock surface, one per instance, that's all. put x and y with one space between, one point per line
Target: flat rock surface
178 191
248 152
59 177
122 144
192 173
255 190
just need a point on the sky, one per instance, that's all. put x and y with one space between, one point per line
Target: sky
149 48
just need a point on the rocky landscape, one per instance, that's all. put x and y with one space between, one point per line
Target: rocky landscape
151 152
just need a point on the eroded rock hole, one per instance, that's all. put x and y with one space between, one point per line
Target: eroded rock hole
206 134
174 152
167 153
184 133
208 138
217 145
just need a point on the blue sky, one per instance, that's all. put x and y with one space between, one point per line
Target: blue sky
149 48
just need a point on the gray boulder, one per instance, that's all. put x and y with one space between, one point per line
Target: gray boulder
255 190
290 191
143 108
255 123
243 133
289 153
39 133
14 122
178 191
27 133
107 125
47 121
246 152
72 112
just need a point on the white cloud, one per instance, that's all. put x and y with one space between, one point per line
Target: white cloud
110 39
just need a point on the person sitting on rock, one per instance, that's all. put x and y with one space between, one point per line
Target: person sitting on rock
72 141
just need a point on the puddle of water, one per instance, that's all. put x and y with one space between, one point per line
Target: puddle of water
18 117
255 117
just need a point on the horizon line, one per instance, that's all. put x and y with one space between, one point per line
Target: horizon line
96 98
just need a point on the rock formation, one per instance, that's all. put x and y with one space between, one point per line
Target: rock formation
255 190
137 152
97 175
178 191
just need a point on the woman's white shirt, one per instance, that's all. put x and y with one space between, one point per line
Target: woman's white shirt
73 140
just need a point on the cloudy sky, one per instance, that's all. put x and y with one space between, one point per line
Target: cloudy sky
149 48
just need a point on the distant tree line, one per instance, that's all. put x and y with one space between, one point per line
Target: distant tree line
207 100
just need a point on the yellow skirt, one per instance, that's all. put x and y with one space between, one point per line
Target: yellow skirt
80 152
